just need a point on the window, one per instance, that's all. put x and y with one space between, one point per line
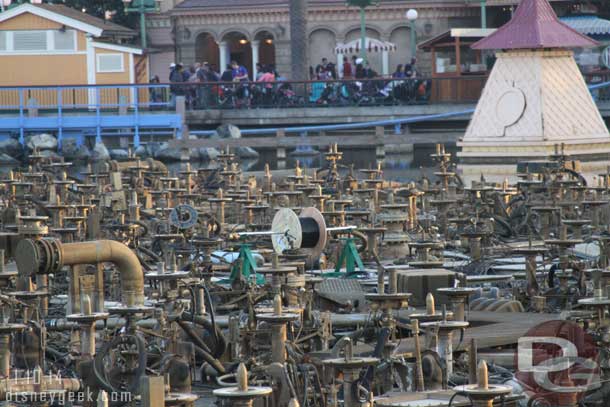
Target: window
30 40
110 63
39 41
65 40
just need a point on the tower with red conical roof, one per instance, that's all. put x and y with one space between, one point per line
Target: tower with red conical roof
535 97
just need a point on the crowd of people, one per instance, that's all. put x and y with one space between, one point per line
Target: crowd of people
354 82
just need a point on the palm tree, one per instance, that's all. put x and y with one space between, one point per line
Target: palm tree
298 39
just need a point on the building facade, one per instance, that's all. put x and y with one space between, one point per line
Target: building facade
252 31
52 44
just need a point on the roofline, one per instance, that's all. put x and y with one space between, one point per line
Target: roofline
340 4
116 47
51 15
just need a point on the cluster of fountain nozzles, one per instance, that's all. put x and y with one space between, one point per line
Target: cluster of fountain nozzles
322 283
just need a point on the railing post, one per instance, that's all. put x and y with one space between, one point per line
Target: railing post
98 118
281 151
60 130
136 135
21 118
379 138
123 102
181 111
32 107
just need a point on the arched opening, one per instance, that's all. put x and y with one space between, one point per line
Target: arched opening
206 49
401 36
266 50
239 49
322 43
374 58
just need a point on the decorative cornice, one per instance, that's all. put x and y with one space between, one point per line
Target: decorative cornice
336 14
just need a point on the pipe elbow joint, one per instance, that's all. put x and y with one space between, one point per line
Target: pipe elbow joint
46 256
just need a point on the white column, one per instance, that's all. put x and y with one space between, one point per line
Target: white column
91 70
339 60
223 49
385 62
255 45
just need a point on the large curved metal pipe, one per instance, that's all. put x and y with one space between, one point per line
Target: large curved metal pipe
44 256
151 164
101 251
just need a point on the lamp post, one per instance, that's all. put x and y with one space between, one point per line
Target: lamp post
412 17
363 4
483 14
142 7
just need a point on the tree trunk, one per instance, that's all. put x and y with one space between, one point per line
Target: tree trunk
298 40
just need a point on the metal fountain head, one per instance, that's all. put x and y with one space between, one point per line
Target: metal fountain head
349 349
483 376
430 304
277 305
242 378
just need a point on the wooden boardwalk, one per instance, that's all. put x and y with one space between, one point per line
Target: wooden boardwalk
369 138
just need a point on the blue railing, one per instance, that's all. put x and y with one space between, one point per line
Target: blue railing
81 107
363 125
136 107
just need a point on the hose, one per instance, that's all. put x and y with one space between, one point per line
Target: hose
210 305
362 237
221 341
460 393
156 258
304 401
98 366
205 352
317 383
143 262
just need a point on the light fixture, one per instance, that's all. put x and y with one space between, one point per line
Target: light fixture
411 14
127 1
269 41
243 41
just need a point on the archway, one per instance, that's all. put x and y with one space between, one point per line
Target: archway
206 49
239 49
401 36
322 43
374 58
266 48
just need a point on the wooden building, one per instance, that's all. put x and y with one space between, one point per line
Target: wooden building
51 44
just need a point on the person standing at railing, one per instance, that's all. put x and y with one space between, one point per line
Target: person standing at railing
259 71
346 69
206 78
176 78
267 78
319 93
360 72
421 86
240 75
227 74
191 90
154 93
